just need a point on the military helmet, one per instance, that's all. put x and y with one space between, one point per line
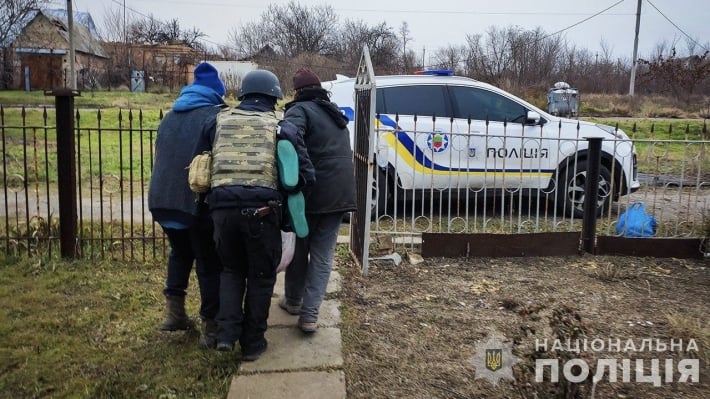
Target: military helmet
260 81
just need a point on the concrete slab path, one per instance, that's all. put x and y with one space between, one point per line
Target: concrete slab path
296 365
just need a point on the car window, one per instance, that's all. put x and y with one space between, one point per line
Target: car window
413 100
480 104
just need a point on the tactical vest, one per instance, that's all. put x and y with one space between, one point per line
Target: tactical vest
244 151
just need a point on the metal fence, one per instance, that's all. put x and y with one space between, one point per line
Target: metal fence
114 158
513 195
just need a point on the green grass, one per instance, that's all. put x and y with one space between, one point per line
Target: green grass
125 138
667 146
99 99
660 129
90 330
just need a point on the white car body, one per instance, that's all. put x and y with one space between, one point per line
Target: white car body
454 151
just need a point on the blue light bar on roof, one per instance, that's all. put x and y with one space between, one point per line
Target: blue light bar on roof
435 72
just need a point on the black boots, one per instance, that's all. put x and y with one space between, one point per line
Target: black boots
175 318
208 334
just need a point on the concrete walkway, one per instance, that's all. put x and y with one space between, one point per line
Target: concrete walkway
296 365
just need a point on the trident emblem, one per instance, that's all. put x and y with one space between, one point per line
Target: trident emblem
494 359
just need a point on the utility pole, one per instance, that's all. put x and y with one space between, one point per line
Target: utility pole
632 83
72 55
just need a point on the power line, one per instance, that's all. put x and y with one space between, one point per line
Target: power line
133 10
579 22
676 26
585 20
399 11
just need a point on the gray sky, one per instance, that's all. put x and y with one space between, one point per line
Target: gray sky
435 24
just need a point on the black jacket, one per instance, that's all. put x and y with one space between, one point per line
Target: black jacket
324 129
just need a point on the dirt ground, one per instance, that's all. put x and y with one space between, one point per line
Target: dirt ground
415 331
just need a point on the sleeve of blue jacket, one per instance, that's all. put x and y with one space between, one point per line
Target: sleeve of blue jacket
307 173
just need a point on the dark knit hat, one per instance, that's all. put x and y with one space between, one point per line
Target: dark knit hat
207 75
305 77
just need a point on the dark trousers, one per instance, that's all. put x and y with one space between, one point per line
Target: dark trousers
250 250
194 244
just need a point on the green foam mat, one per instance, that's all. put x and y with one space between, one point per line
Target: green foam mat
288 164
297 211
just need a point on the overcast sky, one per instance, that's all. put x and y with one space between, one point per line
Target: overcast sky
435 24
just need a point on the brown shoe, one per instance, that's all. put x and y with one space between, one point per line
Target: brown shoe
307 327
290 309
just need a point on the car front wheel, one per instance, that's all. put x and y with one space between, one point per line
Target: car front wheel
571 189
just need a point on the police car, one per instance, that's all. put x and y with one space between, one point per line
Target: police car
440 132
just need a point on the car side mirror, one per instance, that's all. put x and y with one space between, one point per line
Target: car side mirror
533 118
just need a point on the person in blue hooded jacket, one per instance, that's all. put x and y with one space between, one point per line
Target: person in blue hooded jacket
184 217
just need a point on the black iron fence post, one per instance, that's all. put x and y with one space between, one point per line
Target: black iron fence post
66 171
591 194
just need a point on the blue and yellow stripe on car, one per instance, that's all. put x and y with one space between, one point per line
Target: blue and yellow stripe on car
409 153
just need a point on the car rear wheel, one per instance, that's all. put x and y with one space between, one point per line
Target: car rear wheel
571 190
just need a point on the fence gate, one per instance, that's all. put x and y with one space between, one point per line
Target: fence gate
363 159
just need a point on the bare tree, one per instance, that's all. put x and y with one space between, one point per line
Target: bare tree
384 47
247 39
293 29
145 30
450 57
404 35
412 62
115 23
679 76
662 49
497 53
380 39
150 30
192 37
170 32
13 17
473 63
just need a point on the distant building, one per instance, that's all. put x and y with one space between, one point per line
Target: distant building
40 52
232 72
167 66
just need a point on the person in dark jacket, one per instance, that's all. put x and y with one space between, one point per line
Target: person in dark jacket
184 220
324 129
246 202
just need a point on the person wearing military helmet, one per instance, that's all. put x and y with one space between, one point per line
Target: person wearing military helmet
245 200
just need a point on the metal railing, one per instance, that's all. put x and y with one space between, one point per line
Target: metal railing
512 182
504 194
113 163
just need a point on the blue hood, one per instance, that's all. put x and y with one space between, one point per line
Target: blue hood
196 96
